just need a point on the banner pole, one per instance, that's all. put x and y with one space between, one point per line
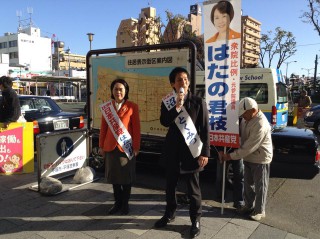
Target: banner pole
223 181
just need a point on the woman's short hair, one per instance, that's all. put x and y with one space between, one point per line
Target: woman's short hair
6 82
223 7
175 71
123 82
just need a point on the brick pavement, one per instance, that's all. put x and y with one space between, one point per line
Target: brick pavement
82 213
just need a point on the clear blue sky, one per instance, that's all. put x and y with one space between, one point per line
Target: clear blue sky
71 20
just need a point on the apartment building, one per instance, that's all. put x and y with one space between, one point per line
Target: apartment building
251 34
64 62
138 32
175 29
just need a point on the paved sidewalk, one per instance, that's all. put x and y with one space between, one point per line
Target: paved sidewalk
81 213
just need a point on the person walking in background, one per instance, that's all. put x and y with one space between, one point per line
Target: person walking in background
119 141
304 100
304 103
221 16
185 153
257 151
10 110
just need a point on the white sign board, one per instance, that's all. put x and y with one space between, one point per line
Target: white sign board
61 152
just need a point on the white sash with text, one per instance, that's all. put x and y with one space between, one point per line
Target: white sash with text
185 125
118 130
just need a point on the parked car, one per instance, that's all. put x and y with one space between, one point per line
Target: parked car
312 118
47 116
296 153
293 145
292 148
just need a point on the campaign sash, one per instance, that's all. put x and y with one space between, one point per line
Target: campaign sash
185 125
118 130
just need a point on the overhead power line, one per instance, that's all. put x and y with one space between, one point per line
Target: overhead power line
310 44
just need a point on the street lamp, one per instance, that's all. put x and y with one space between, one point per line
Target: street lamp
287 63
20 66
308 70
68 52
90 38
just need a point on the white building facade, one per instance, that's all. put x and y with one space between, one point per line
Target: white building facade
29 53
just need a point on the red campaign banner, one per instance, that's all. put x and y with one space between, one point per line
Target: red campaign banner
11 151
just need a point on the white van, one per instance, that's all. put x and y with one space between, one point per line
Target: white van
266 86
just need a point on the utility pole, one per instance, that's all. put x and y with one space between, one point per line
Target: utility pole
315 73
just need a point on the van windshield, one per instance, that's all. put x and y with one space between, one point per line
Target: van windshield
282 93
257 91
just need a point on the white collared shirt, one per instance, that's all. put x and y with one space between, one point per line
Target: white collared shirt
118 105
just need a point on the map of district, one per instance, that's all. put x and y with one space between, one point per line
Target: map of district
145 90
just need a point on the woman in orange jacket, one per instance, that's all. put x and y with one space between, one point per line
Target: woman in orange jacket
120 168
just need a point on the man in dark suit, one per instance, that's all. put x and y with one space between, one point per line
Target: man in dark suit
180 155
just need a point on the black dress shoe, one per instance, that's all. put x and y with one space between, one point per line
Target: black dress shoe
195 229
163 221
115 208
125 209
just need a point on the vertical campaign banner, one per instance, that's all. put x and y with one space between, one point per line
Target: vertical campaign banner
222 37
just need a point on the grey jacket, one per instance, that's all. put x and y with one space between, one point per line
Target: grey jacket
256 142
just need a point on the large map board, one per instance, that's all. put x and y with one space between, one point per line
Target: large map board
148 77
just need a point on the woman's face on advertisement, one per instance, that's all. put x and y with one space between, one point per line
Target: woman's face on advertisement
15 158
221 21
119 91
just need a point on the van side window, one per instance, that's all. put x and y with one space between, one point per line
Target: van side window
257 91
282 94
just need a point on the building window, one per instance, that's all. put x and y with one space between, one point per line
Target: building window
13 43
3 45
13 55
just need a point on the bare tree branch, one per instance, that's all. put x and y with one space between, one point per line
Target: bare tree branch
312 15
282 45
